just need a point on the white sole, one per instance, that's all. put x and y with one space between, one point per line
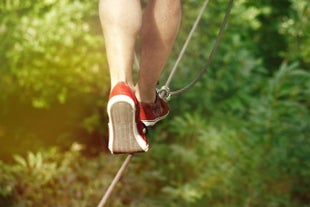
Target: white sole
123 134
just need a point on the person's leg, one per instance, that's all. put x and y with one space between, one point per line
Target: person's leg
160 26
121 22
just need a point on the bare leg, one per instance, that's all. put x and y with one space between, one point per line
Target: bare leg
121 22
160 25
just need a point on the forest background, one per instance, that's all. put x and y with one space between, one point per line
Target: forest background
240 137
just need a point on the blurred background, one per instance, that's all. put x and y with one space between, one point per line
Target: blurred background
240 137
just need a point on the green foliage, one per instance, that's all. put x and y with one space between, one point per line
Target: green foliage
280 127
296 29
51 45
52 55
238 138
55 178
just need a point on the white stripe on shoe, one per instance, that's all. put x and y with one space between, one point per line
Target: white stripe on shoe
150 123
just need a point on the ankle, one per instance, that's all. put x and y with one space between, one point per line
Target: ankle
145 96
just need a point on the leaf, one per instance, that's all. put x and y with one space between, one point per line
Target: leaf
20 160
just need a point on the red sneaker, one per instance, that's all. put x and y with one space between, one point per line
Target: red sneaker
125 129
151 113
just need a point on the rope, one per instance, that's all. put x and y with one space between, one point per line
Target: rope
115 181
189 37
165 91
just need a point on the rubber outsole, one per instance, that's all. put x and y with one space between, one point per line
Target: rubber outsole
124 137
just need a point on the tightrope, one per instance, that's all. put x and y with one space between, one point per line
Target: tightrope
115 181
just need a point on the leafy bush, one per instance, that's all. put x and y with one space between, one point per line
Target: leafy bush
238 138
55 178
52 65
52 50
